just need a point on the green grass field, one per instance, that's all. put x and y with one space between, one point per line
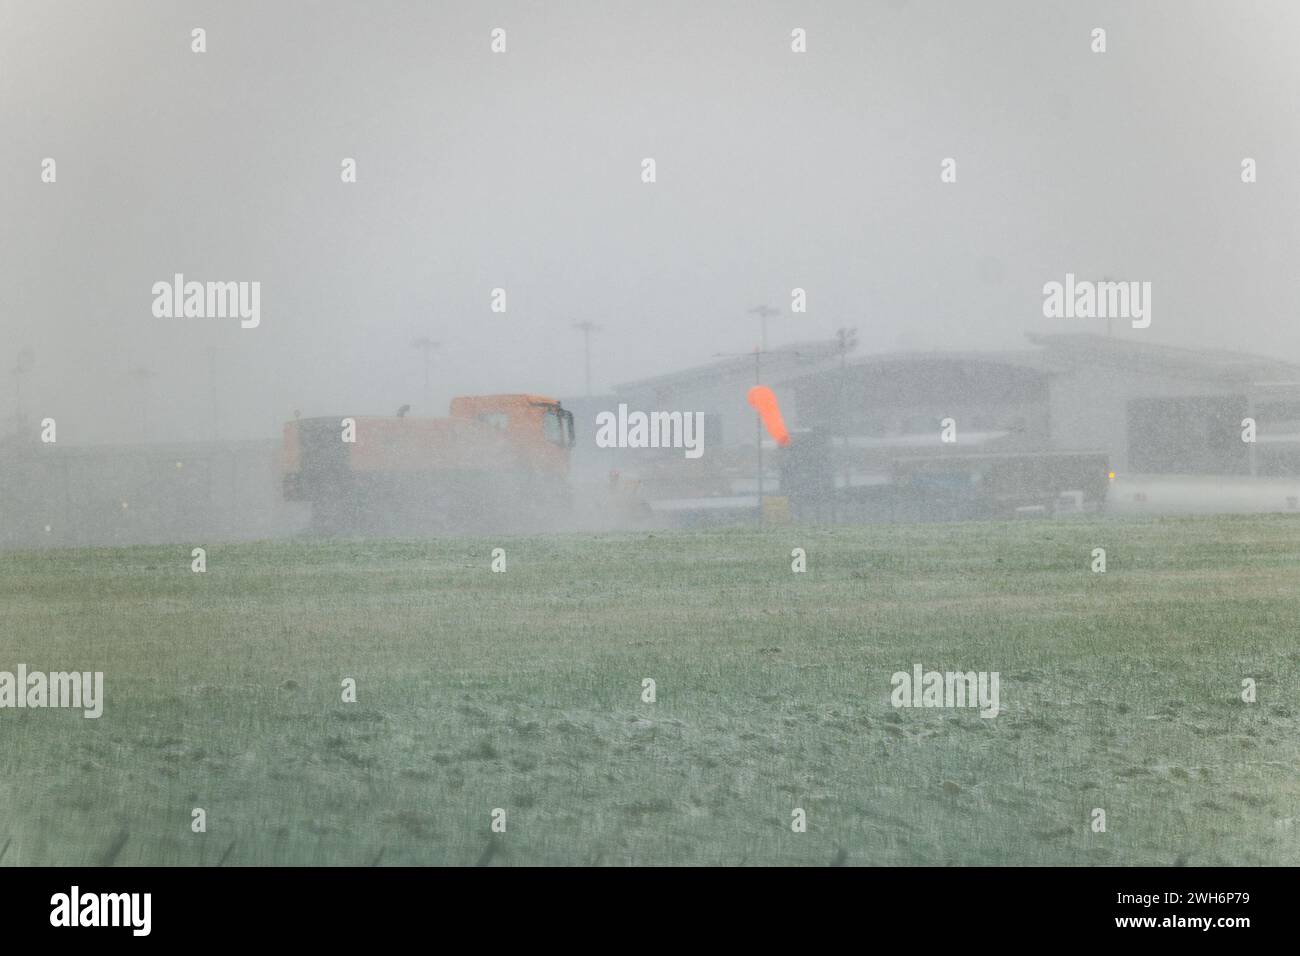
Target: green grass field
522 691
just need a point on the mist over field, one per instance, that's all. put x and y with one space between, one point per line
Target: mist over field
521 171
710 433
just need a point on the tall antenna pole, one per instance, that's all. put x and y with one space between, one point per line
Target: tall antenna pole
586 328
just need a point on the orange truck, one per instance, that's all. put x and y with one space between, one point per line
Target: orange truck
497 462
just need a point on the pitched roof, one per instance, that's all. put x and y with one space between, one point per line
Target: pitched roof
1055 352
1071 349
777 363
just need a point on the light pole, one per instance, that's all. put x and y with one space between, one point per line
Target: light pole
764 312
426 345
586 328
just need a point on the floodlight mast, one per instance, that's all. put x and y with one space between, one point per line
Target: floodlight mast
586 328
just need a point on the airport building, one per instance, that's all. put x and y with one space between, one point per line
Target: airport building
1142 409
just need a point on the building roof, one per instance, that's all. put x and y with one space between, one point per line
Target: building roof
1054 353
1065 351
1022 358
777 364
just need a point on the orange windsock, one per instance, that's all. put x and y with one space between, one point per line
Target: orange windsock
761 397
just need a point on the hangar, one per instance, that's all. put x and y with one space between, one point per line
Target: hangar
1143 409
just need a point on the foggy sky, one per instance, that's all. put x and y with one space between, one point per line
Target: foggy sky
522 170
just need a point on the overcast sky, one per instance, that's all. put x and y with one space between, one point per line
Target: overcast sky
523 170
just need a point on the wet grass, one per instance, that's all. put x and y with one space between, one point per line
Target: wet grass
522 690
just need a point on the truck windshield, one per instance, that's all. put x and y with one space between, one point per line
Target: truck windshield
551 427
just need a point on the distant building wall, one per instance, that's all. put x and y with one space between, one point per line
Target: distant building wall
913 396
1150 423
1087 410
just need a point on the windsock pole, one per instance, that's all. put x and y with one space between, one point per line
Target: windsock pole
758 380
769 416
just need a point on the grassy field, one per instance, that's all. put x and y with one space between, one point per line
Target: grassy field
522 690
